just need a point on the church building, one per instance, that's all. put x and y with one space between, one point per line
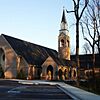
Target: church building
22 59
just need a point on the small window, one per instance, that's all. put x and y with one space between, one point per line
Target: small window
62 43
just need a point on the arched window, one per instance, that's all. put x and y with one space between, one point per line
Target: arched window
62 43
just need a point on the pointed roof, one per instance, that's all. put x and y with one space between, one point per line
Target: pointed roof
63 17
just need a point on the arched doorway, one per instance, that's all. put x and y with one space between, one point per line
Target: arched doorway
2 62
49 72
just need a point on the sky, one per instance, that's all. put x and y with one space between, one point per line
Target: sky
36 21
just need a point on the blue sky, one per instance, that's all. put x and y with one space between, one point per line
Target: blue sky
36 21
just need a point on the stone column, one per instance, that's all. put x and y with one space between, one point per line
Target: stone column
18 63
30 72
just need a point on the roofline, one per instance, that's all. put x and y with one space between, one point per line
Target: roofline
30 42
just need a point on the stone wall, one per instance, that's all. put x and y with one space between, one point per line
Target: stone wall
10 66
49 62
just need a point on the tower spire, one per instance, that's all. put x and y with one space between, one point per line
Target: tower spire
64 25
63 16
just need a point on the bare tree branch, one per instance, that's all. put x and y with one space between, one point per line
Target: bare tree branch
84 22
88 29
69 11
74 2
82 29
88 41
86 3
89 12
86 48
91 23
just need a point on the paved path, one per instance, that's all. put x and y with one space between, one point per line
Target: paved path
42 90
16 91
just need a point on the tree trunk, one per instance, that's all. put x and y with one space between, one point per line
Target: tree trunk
93 69
77 52
99 44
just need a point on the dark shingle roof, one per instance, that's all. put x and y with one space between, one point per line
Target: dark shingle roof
34 54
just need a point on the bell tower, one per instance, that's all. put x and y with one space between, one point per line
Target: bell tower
64 39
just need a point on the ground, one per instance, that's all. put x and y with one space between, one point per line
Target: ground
13 90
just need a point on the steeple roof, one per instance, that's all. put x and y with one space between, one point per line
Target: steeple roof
63 17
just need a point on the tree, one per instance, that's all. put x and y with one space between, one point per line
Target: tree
91 22
78 12
97 4
91 28
86 48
